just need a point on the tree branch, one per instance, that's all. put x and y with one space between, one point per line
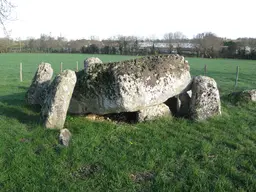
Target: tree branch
5 11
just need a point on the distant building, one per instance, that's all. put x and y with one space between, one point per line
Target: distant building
164 48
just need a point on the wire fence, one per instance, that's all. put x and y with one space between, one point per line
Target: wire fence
233 80
237 78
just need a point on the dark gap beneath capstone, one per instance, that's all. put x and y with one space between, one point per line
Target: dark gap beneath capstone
125 117
172 103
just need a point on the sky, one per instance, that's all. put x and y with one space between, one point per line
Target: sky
79 19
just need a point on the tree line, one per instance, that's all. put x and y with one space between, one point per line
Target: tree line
207 45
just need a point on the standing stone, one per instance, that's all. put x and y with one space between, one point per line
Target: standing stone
64 137
129 86
153 112
91 62
205 101
55 108
37 91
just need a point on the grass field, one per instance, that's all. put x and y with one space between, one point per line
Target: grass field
162 155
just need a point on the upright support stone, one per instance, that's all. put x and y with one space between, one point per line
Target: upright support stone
38 89
205 101
54 111
153 112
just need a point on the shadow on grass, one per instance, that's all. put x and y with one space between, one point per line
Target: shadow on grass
18 99
15 99
23 88
19 113
14 106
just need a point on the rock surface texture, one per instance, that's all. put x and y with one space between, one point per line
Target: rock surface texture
205 101
153 112
247 95
37 91
55 108
89 63
64 137
129 86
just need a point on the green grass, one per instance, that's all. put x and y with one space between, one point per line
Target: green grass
177 155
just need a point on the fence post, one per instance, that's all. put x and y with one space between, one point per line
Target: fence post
77 66
237 74
205 70
21 72
61 66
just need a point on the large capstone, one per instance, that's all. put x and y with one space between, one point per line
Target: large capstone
37 91
54 110
129 86
205 101
153 112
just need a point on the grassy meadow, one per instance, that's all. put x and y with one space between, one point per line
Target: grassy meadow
168 154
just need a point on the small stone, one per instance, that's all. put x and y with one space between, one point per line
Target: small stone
64 137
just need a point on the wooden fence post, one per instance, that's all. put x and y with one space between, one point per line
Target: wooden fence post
77 66
21 72
237 74
61 66
205 70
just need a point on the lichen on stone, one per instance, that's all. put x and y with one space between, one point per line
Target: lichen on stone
109 83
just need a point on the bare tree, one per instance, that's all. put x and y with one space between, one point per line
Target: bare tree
123 44
252 43
174 40
168 38
4 45
207 44
178 36
5 12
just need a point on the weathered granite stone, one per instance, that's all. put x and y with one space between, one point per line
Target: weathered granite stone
243 96
90 62
153 112
38 89
55 108
205 101
129 86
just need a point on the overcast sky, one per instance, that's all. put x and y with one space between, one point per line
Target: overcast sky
76 19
